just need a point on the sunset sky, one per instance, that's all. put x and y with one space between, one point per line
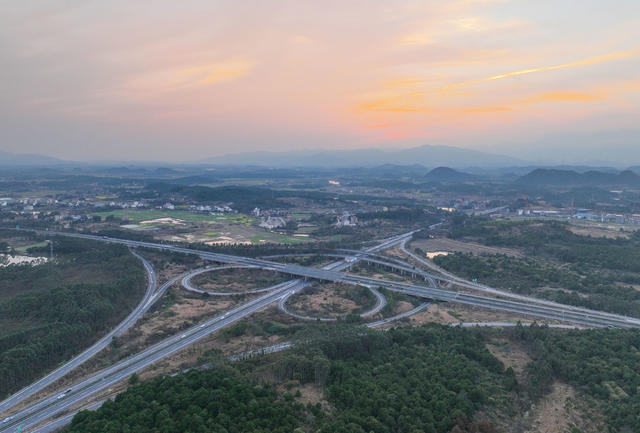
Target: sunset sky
184 80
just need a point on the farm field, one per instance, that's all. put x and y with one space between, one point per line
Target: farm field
139 215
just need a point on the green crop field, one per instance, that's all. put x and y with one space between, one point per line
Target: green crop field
26 247
137 215
276 237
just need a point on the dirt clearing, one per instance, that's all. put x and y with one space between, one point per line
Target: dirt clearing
454 246
447 313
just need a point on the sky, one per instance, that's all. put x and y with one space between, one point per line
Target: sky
191 79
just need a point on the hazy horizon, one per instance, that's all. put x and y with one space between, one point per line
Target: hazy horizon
539 81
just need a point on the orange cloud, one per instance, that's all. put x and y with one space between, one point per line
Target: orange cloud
171 79
584 62
401 82
216 72
591 95
435 110
484 109
411 102
385 125
416 38
565 96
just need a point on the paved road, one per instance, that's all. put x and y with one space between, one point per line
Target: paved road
350 260
452 279
80 391
569 313
509 325
186 282
565 315
91 351
376 259
399 316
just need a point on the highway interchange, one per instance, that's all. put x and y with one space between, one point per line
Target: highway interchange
526 305
47 408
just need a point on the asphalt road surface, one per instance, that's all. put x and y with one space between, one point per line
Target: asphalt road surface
568 313
48 407
91 351
52 405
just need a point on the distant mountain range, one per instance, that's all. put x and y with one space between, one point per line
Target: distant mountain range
26 159
449 175
555 177
429 156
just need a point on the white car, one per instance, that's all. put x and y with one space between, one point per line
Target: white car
61 396
183 336
7 419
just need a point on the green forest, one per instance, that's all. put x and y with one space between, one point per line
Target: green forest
408 380
62 307
553 239
431 379
603 364
596 273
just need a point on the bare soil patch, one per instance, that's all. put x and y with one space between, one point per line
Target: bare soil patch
448 313
559 411
600 231
455 246
237 280
402 307
378 272
324 300
511 355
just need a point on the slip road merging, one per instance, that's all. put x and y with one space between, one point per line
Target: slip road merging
82 390
48 407
91 351
52 405
536 307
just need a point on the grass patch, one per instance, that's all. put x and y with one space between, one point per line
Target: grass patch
24 249
276 237
137 215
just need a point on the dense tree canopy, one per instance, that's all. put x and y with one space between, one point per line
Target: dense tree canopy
54 317
405 380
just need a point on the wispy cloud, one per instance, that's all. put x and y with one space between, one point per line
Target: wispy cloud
170 79
216 72
565 96
617 55
408 102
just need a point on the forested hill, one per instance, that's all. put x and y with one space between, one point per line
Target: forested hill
555 177
407 380
446 174
52 311
432 379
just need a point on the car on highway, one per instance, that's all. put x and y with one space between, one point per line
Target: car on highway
7 419
183 336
